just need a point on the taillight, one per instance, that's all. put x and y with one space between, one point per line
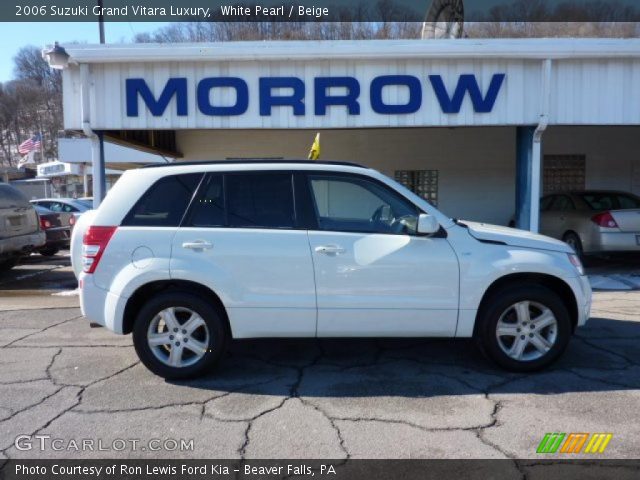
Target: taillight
604 219
72 220
94 243
44 223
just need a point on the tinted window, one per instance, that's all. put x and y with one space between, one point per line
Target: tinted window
563 203
208 209
628 201
610 201
163 205
260 200
545 203
11 196
352 204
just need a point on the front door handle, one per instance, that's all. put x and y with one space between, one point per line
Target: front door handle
197 245
330 249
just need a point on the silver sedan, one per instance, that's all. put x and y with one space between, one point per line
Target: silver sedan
593 221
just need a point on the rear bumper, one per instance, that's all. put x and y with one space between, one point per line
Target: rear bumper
101 306
22 244
614 242
58 237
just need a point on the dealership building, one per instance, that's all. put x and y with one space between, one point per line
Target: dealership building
481 128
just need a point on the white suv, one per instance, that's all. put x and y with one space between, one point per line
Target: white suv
190 256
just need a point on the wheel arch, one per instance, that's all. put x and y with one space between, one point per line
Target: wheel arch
553 283
136 301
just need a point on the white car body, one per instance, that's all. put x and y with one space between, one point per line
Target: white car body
283 283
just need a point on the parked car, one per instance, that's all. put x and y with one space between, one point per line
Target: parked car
57 227
64 205
189 256
20 231
593 221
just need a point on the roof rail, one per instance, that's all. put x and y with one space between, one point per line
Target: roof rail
252 161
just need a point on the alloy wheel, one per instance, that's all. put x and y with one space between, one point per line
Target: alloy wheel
178 337
526 331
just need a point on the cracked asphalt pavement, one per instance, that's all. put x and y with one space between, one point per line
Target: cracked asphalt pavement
335 399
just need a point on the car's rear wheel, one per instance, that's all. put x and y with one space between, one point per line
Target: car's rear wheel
178 335
573 240
524 328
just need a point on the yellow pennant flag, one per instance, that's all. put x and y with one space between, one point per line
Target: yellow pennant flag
314 153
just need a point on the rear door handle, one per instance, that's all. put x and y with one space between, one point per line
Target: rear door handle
197 245
330 249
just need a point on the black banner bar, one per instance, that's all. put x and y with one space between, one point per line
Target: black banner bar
321 10
559 469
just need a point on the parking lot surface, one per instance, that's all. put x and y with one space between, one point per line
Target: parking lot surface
304 398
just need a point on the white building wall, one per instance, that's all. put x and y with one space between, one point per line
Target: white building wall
612 154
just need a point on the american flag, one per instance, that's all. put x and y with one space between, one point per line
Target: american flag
34 143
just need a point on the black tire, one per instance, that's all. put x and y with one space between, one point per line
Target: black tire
215 324
6 265
573 240
499 303
49 252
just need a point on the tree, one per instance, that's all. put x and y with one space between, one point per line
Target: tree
32 103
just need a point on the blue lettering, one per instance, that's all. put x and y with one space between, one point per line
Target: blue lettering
295 100
467 83
174 86
267 98
415 94
242 96
323 99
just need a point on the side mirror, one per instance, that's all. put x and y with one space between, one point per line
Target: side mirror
427 224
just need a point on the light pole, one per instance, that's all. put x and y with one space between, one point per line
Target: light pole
98 168
101 22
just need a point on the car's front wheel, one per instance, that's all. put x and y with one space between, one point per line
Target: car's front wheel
178 335
524 327
573 240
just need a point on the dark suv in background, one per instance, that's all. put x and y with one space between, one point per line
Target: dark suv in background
20 232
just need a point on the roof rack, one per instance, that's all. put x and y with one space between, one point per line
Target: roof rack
252 161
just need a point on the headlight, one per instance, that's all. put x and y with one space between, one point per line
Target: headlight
575 261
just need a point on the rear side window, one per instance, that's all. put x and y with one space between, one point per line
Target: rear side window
208 209
610 201
164 204
263 200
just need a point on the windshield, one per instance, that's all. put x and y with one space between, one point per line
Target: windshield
610 201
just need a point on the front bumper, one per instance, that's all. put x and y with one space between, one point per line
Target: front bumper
583 294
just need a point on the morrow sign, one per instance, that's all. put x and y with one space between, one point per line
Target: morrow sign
291 92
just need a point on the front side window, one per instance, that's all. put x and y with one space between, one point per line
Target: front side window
563 203
261 200
352 204
164 204
545 203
